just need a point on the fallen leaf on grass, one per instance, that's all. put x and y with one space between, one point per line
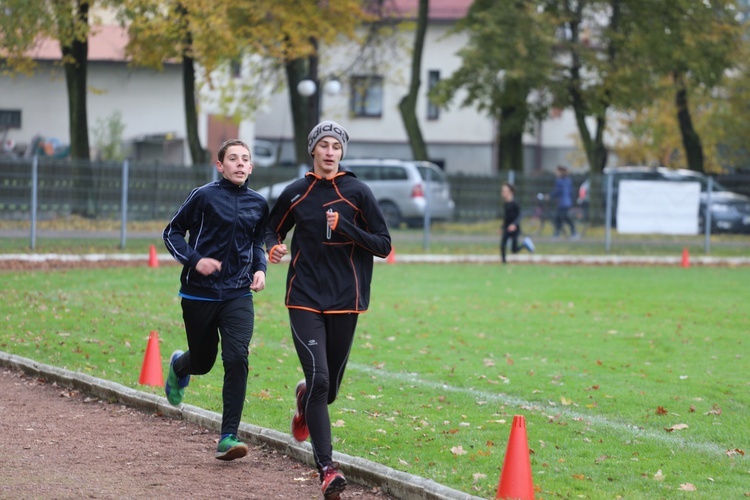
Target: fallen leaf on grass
458 450
264 394
676 427
688 487
659 476
338 423
715 410
736 451
660 410
478 475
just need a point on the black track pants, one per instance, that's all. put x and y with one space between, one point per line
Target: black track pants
514 246
231 323
323 342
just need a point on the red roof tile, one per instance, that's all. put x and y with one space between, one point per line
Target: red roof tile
106 43
439 9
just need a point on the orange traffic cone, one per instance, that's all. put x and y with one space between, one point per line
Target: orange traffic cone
153 260
151 373
515 478
685 257
391 256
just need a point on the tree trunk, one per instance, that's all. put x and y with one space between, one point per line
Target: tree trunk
408 104
510 140
75 63
296 71
691 141
596 152
600 150
198 155
75 56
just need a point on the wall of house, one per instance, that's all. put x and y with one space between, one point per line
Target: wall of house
150 102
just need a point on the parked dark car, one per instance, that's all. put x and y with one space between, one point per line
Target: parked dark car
730 212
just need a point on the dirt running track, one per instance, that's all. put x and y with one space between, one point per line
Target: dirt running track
61 444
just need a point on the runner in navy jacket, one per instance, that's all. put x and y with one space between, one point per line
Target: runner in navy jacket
223 263
338 228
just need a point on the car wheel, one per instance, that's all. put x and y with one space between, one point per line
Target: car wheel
391 213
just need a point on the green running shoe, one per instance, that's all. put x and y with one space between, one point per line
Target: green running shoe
230 448
174 387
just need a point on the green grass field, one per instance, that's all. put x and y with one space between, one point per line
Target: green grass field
634 381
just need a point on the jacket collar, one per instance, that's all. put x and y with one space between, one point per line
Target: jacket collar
231 185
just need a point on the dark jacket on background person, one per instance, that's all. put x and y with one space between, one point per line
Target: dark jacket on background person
329 275
225 222
512 215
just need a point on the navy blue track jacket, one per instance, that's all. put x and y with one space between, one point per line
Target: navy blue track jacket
225 222
329 275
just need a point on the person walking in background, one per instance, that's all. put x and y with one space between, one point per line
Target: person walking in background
563 193
512 223
223 264
338 228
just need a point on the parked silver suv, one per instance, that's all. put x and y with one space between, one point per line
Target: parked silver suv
400 187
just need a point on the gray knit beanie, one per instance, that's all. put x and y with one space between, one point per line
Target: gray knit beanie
327 129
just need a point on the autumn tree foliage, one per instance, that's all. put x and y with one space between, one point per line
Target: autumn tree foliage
211 34
508 56
693 53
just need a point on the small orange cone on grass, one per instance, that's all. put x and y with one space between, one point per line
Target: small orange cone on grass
153 259
391 256
515 478
685 257
151 372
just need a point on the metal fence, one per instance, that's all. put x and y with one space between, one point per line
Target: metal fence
43 189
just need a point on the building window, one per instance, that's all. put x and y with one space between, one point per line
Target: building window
10 118
235 68
367 96
433 111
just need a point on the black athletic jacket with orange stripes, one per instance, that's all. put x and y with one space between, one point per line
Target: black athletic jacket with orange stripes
329 274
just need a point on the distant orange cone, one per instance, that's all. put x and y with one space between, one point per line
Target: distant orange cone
151 373
391 256
153 260
685 257
515 478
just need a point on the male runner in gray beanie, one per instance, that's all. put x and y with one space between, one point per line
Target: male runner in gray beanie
338 229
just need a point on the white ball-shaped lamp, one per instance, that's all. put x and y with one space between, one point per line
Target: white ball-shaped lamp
332 87
306 88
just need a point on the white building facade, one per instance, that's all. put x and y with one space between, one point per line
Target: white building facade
150 103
